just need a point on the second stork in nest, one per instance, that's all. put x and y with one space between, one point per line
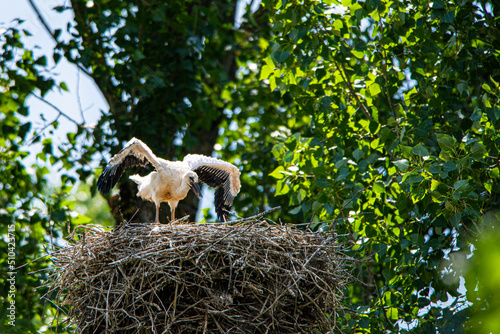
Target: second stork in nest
171 180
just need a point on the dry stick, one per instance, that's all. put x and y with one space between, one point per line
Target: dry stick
205 236
180 220
224 237
107 302
27 263
248 218
175 301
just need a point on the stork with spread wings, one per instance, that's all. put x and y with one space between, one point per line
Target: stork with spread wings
171 180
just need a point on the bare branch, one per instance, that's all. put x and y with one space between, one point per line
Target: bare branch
78 95
343 207
347 80
42 20
52 33
57 109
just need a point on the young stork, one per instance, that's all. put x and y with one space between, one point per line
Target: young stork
171 180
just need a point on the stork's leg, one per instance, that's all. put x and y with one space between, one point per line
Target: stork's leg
157 219
173 205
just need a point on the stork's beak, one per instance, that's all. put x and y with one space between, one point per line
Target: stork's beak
196 189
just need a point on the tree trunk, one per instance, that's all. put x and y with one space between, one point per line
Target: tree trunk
158 129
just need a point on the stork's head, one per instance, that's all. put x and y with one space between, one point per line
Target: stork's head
192 180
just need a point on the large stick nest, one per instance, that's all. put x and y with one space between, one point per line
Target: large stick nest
208 278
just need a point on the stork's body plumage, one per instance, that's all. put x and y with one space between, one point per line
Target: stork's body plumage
171 180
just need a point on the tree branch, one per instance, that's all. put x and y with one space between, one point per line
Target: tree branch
86 43
57 109
42 20
51 33
343 207
347 80
54 37
389 100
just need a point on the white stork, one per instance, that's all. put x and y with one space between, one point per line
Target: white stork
171 180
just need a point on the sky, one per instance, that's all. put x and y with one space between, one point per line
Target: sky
83 102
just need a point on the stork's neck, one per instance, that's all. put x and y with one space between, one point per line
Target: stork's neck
184 184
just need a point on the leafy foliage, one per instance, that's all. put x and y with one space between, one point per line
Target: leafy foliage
377 119
26 229
402 151
168 71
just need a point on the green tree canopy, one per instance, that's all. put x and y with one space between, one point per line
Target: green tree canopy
375 119
402 147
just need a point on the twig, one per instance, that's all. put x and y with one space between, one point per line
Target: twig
255 216
204 277
27 263
57 109
347 80
52 34
342 209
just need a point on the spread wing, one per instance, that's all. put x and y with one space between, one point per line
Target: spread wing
223 176
134 153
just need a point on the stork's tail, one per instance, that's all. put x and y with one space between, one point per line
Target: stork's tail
136 178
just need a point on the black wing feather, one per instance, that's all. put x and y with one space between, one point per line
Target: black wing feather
112 173
219 179
213 177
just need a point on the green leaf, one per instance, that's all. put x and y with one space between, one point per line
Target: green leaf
64 86
358 154
434 170
455 219
420 150
343 173
392 313
487 88
278 173
437 4
461 185
289 156
478 150
282 188
449 17
488 186
495 173
378 188
266 71
322 182
476 116
449 166
402 164
462 87
138 55
406 150
42 156
446 142
404 243
301 195
280 53
374 89
434 185
81 220
415 178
